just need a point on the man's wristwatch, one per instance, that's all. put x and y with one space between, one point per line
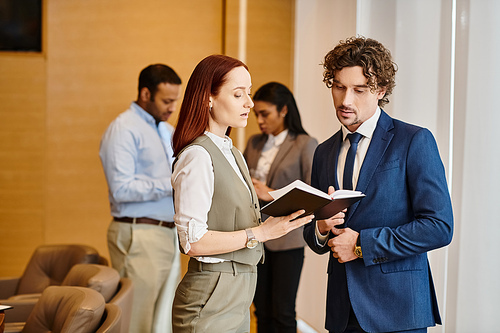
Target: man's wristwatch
357 248
251 241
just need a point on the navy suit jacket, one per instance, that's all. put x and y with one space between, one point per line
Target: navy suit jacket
406 213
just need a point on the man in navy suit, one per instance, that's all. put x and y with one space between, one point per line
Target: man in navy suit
379 278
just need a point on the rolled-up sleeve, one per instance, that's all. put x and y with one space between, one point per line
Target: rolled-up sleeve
193 184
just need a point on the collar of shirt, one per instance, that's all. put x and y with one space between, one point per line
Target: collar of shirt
278 139
366 128
225 144
143 114
275 141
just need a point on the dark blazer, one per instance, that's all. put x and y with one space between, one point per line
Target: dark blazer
293 161
406 213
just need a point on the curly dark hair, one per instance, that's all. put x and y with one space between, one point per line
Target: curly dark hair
371 55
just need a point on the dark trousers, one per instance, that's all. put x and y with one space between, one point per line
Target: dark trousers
354 327
277 283
420 330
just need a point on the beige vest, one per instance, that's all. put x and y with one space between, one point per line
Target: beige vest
232 208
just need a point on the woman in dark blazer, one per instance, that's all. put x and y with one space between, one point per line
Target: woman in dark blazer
275 158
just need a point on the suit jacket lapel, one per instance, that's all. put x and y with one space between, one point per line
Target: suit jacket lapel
254 152
282 153
378 146
333 159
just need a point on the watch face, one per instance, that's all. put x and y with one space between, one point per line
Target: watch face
252 243
357 252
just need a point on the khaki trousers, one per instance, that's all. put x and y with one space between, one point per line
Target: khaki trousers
149 256
214 298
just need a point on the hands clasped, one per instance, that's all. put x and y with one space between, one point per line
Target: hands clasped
343 244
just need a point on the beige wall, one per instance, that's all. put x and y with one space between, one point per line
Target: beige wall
55 106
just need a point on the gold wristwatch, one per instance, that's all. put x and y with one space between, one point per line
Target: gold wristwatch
251 241
357 248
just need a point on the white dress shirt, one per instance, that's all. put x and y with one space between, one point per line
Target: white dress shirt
193 183
366 129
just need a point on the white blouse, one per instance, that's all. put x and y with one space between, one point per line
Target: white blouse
268 154
193 184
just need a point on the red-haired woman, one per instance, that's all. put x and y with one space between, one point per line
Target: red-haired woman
217 210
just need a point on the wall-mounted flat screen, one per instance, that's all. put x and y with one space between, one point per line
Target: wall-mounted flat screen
21 25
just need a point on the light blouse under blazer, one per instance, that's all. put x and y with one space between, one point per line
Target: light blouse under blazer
293 161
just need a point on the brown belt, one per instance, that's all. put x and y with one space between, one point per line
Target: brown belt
145 220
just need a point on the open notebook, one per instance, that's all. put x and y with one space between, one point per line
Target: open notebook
298 195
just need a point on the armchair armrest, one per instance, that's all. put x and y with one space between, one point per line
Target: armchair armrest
20 311
23 297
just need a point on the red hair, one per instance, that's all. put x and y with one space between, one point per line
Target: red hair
205 81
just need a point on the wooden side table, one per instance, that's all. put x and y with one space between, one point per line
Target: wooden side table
2 316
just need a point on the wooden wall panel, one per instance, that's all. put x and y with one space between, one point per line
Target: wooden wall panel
55 107
96 51
269 44
22 158
270 41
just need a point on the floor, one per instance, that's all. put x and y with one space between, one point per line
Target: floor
302 327
253 321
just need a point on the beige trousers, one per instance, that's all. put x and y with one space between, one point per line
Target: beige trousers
213 300
149 256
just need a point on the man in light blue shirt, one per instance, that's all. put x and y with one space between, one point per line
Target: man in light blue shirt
136 155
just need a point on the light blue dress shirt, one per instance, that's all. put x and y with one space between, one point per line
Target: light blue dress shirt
136 165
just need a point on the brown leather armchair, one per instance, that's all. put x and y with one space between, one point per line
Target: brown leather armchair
107 281
48 266
103 279
69 309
